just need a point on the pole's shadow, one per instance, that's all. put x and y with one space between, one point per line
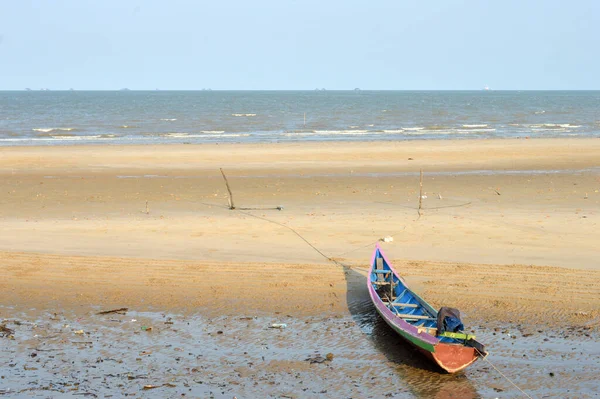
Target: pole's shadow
421 376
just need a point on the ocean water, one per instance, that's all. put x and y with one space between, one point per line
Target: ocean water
152 117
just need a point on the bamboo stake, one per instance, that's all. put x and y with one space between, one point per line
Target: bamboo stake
231 205
420 191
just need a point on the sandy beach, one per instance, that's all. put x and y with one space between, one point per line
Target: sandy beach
508 233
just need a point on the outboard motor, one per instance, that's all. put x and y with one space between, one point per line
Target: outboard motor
448 319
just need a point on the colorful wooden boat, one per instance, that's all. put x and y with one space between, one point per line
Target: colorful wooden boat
417 322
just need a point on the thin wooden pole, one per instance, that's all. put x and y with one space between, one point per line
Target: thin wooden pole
420 191
231 205
147 210
305 119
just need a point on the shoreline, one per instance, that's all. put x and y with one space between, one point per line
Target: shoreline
435 155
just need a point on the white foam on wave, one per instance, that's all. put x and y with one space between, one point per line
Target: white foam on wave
549 126
204 135
56 138
548 129
168 119
474 130
234 135
412 129
77 138
394 131
243 114
474 126
340 132
213 131
53 129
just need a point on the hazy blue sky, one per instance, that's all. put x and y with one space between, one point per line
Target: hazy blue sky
294 44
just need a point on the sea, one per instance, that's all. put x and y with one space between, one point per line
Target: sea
211 116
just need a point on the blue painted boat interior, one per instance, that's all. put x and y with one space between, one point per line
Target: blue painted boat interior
405 303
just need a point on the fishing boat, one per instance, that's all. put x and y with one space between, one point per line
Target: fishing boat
438 335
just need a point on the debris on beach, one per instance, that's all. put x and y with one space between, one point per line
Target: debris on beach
278 325
146 328
319 359
167 384
387 239
6 332
118 311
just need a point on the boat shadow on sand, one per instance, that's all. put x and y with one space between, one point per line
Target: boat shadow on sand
422 378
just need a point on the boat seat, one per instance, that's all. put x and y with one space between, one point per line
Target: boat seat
382 271
428 330
378 269
402 305
382 283
414 317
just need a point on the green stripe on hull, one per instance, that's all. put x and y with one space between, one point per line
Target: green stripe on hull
415 341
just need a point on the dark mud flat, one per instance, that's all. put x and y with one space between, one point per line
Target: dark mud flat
145 354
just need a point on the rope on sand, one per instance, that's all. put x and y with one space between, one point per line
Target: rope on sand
293 231
329 258
484 357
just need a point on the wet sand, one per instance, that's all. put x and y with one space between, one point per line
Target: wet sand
508 234
220 350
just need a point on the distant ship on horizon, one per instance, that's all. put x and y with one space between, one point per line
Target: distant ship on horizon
487 88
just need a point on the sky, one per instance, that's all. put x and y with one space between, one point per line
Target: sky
300 44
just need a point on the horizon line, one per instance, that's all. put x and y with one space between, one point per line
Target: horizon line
305 90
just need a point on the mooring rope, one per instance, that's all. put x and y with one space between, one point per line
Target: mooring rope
293 231
329 258
484 357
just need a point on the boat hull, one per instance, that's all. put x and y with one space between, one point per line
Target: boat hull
450 357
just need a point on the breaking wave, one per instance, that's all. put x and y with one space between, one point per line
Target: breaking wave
53 129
